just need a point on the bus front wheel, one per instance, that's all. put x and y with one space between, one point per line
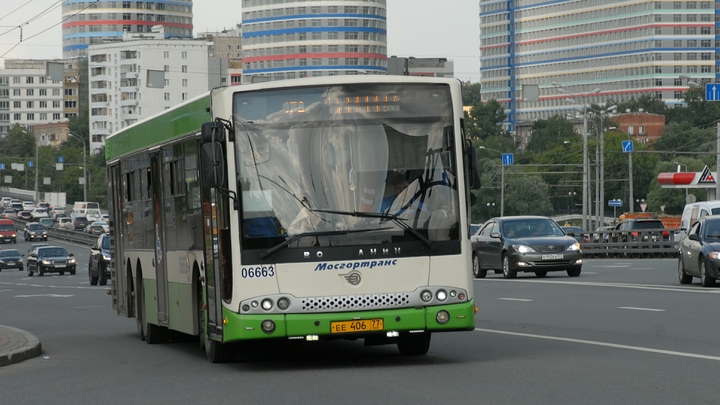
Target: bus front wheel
414 344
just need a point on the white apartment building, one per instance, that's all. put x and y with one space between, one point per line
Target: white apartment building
27 97
143 75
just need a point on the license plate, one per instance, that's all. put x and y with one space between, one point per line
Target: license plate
552 257
11 263
59 265
360 325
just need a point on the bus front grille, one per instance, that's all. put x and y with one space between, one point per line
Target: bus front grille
355 302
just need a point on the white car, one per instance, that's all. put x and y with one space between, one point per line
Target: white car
105 225
38 213
28 206
65 223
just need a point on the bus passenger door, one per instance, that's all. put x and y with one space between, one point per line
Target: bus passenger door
119 282
160 261
211 222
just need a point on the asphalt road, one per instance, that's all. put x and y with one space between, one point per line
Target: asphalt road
624 332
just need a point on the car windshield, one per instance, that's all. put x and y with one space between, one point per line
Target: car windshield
532 227
712 230
7 227
52 252
35 227
9 253
106 243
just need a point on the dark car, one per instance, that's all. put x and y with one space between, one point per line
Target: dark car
11 259
50 259
99 266
80 223
532 244
576 232
700 252
640 230
35 231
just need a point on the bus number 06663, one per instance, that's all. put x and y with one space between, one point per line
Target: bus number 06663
257 272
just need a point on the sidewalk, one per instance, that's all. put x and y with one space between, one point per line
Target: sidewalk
17 345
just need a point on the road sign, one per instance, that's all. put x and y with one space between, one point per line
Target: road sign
30 163
61 159
615 203
507 159
2 166
712 92
627 146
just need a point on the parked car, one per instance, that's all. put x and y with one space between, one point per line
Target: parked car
700 252
80 223
577 232
65 223
46 222
50 259
35 231
11 259
26 215
98 268
525 244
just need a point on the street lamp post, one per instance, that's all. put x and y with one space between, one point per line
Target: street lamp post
78 137
502 181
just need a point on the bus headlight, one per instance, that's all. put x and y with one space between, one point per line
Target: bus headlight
442 317
426 295
267 304
268 326
283 303
442 295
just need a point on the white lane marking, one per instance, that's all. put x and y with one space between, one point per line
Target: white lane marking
515 299
74 287
604 344
643 309
616 285
44 295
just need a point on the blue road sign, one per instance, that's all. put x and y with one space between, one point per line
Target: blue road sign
30 163
627 146
712 91
2 166
615 203
507 159
61 159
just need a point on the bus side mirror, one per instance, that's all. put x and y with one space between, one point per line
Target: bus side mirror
213 165
212 132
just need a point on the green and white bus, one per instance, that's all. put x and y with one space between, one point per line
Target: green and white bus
314 209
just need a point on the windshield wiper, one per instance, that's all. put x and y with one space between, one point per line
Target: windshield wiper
306 234
388 217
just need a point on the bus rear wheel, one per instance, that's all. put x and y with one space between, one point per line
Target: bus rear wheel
414 344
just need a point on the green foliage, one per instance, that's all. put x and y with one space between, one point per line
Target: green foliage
551 133
526 195
19 143
485 120
471 93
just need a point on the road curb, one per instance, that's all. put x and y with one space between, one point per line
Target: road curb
17 345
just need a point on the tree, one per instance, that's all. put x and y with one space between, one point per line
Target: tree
550 133
685 137
19 143
526 195
471 93
485 120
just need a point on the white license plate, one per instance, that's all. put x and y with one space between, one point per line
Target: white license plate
59 265
11 263
551 257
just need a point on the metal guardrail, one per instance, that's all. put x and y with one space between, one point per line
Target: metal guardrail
631 244
80 237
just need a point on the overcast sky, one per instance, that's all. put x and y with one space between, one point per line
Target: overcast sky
419 28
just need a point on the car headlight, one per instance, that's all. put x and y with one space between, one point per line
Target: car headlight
523 248
574 247
714 255
45 262
2 261
106 256
71 261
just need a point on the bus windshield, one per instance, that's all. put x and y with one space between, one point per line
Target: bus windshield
317 160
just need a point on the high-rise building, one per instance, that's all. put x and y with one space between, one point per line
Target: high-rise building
297 38
589 51
27 96
144 75
96 22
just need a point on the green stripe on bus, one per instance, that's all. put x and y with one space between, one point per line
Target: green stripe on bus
246 327
183 120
